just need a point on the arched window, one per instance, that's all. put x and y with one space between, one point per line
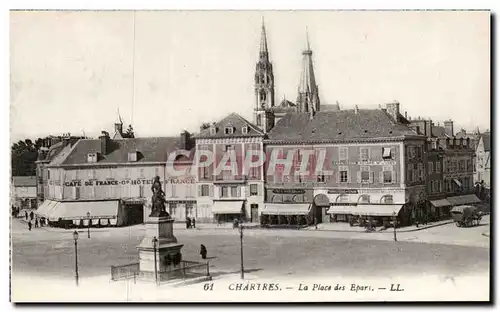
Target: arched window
386 199
262 95
298 199
343 198
364 199
277 199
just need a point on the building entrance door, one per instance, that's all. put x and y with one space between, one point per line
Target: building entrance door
254 210
135 214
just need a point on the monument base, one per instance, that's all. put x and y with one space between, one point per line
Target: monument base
168 251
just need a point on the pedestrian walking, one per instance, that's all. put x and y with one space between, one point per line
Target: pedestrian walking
203 251
193 223
26 215
188 223
36 222
32 215
29 225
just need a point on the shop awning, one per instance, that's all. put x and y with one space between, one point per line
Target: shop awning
440 203
463 200
227 207
342 209
46 207
78 210
377 210
286 209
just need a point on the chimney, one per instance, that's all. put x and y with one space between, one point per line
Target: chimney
104 142
393 110
406 115
66 141
119 128
448 127
185 140
356 110
428 128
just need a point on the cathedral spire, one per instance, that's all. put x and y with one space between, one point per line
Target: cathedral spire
308 94
264 85
263 42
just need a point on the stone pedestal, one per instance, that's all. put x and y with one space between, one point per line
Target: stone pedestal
168 251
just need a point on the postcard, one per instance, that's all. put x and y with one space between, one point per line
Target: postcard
250 156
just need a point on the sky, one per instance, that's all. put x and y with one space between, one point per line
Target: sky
72 71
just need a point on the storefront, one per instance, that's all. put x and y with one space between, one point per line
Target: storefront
288 207
358 205
112 179
228 210
81 213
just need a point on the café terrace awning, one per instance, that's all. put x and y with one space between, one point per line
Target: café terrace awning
227 207
440 203
286 209
78 210
44 209
378 210
463 200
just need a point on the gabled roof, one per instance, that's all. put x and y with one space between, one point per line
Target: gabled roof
338 125
487 162
237 122
486 137
24 181
154 149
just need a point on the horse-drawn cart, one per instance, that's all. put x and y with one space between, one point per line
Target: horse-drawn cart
465 216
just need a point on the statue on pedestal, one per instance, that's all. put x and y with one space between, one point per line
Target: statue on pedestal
158 200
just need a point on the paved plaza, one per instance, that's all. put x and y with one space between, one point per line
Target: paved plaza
267 252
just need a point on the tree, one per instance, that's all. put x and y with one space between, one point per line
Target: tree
130 132
23 157
205 125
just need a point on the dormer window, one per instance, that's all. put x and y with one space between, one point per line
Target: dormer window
228 130
434 144
386 153
132 156
213 130
92 157
244 130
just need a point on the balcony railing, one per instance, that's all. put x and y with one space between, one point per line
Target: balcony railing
230 178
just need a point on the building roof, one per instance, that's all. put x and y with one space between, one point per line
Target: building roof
237 123
338 125
24 181
486 137
154 149
439 132
283 109
329 107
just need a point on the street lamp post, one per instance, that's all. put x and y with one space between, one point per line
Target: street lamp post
241 252
75 238
155 245
88 217
394 222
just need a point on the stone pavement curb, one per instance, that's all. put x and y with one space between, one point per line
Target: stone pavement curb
49 229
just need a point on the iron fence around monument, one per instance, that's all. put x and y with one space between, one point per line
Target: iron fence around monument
185 269
124 271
